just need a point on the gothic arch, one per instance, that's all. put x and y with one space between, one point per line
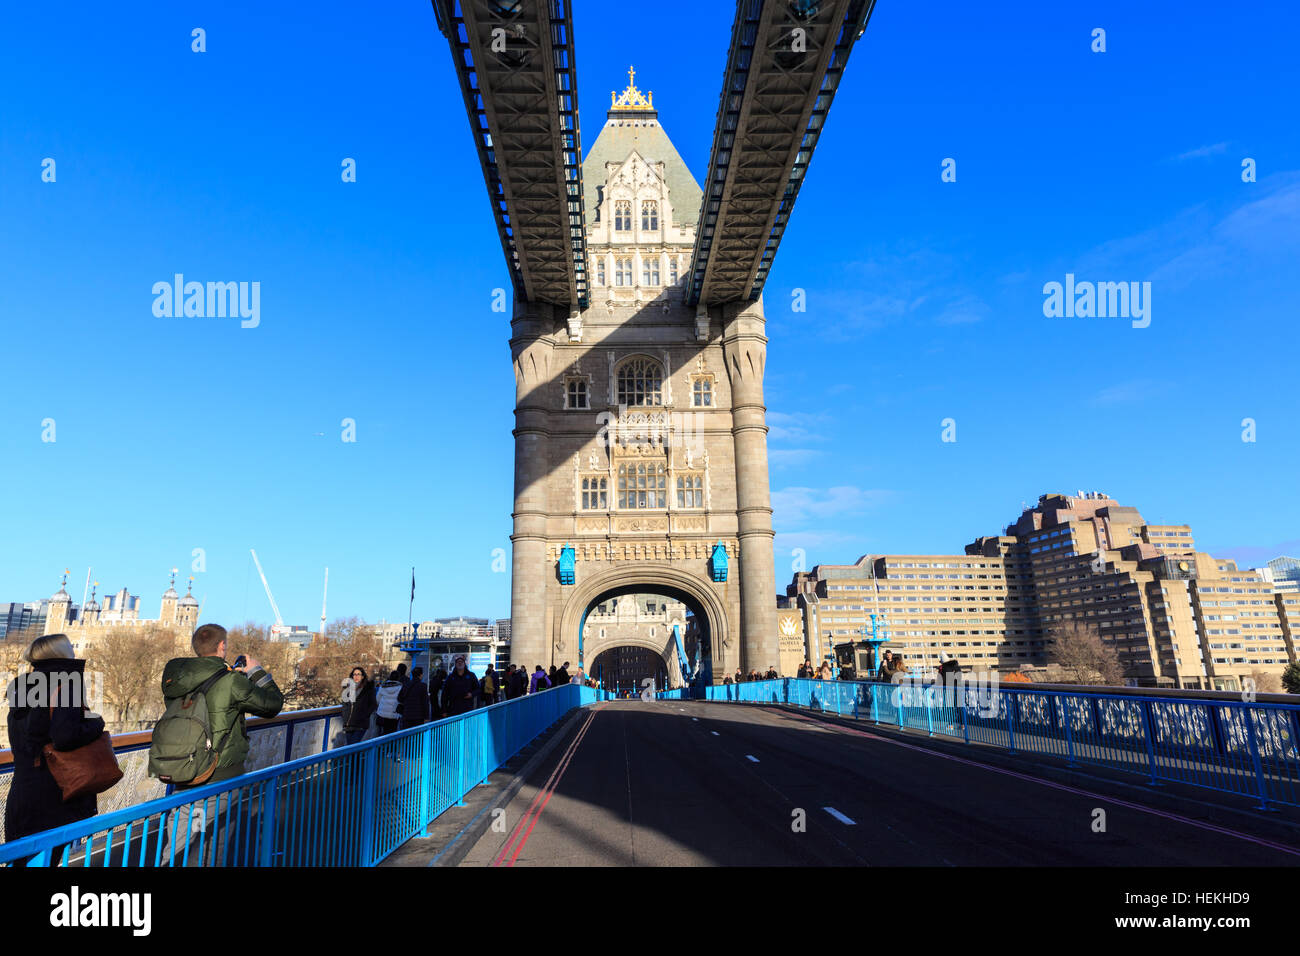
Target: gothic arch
648 579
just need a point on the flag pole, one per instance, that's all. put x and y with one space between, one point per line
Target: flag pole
410 607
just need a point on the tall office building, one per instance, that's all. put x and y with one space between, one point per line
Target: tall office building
1172 616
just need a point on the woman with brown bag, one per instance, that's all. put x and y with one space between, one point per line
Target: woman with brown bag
47 705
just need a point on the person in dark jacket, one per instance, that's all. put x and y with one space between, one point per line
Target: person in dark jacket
435 692
517 683
357 713
35 802
460 690
414 700
561 676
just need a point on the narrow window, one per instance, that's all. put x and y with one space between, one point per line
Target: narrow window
623 271
622 215
702 395
690 491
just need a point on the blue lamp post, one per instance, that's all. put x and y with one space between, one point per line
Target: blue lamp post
879 634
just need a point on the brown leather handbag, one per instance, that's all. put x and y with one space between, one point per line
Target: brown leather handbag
89 769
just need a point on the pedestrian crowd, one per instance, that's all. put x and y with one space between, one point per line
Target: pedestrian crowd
63 758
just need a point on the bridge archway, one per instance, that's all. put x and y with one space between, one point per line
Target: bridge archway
708 609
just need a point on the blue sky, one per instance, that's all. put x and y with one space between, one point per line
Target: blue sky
924 298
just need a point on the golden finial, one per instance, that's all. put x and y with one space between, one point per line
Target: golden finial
632 98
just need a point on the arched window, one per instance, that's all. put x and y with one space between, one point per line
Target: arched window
623 215
642 484
649 215
640 382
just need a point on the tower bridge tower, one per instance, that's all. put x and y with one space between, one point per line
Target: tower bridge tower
640 438
637 333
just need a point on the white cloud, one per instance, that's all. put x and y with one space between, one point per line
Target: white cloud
792 507
785 457
1123 392
795 426
1202 151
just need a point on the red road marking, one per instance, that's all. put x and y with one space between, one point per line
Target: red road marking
544 796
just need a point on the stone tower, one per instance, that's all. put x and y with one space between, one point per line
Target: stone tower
641 437
167 613
56 621
187 611
90 613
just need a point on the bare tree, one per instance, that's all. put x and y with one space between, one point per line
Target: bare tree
280 658
1077 648
327 661
130 662
1266 682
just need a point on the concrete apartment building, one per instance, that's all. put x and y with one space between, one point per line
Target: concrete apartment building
1174 616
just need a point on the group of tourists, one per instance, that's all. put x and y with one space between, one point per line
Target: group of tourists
52 729
373 707
202 737
743 678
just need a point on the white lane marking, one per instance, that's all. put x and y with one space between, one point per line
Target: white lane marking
839 816
695 718
751 757
714 732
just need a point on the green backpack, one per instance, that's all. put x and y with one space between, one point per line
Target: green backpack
181 751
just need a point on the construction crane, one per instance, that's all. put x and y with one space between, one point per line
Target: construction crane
323 597
278 627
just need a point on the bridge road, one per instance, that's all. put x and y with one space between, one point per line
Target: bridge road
689 783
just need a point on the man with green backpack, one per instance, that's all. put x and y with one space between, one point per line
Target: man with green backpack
201 737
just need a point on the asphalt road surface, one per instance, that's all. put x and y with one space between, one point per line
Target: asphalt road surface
687 783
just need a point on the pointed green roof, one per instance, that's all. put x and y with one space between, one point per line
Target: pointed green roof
627 130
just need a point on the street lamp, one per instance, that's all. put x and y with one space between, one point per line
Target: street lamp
879 635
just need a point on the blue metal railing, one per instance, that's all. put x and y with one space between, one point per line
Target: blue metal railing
1233 746
274 740
351 806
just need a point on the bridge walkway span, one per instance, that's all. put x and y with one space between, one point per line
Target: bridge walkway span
690 783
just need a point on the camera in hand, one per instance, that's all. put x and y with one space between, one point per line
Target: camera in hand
240 661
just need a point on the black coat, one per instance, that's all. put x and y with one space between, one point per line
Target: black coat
561 677
454 690
358 716
414 698
35 802
517 685
435 692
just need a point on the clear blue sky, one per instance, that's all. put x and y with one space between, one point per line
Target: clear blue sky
924 298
